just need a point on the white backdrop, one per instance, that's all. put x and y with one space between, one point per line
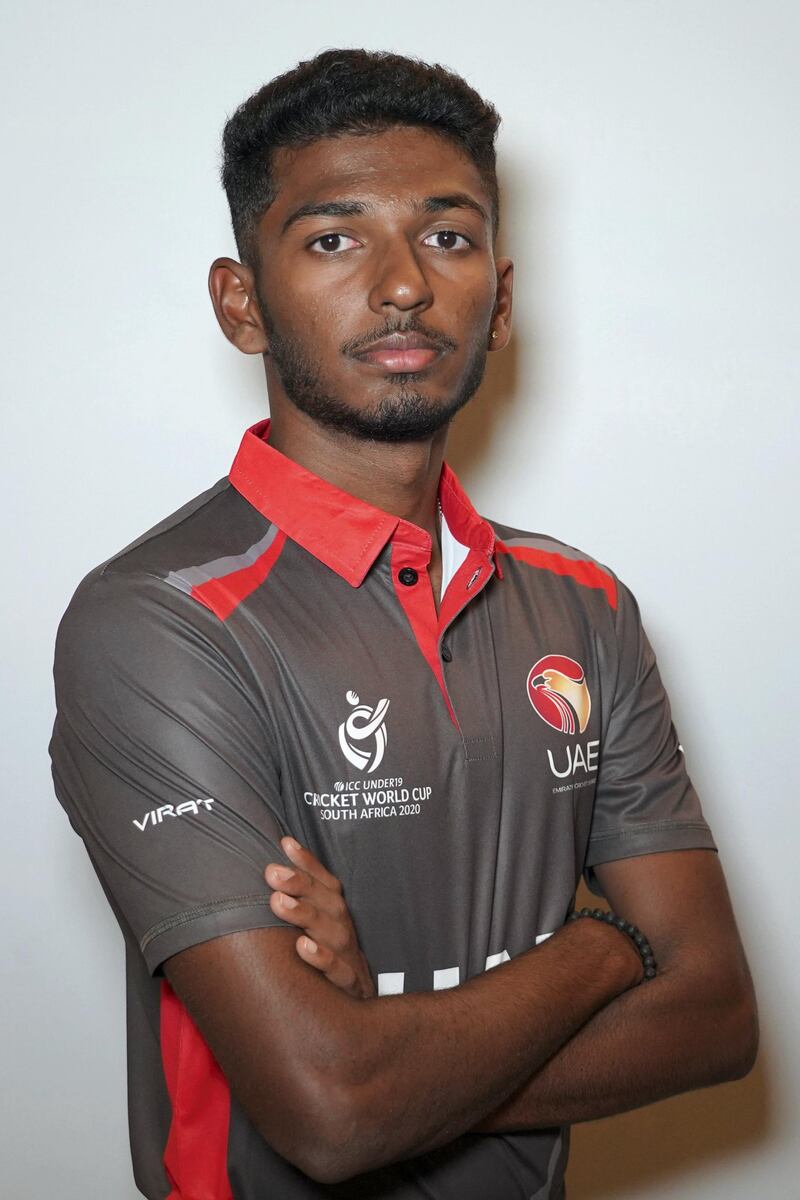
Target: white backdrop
648 154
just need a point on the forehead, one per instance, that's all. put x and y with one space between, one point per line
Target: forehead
401 163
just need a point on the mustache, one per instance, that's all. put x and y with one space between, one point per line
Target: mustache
440 340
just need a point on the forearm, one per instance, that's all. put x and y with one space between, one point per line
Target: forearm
421 1069
672 1035
694 1024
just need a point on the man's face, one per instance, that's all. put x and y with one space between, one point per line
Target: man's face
370 237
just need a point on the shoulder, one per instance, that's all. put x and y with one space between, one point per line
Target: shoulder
210 535
144 596
536 554
213 525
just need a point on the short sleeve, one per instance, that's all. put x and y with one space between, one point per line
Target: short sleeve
163 760
644 799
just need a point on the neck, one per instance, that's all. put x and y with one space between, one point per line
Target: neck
400 478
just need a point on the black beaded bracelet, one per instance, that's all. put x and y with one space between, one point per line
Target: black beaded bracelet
637 937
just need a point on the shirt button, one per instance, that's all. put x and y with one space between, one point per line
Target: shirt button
447 654
408 576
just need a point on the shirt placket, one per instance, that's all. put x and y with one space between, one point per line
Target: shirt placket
409 565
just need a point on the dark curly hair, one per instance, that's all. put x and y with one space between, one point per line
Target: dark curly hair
347 91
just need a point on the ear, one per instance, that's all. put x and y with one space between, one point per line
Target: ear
231 286
501 319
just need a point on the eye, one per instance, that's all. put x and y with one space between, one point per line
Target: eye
447 239
331 243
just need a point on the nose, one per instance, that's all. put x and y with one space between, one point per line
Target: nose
400 281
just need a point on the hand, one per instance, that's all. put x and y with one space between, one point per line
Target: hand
311 898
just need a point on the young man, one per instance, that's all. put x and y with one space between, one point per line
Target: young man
453 719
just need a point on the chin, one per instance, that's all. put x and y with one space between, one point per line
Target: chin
407 417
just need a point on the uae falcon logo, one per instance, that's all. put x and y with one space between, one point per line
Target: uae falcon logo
368 725
557 690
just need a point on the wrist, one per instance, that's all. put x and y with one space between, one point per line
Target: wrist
640 951
602 954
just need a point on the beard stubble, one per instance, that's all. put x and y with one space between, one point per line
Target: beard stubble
407 415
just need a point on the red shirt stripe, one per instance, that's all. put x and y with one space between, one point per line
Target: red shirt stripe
196 1154
223 595
587 573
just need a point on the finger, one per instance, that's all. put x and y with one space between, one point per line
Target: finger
365 982
335 935
288 879
302 857
328 964
296 882
297 912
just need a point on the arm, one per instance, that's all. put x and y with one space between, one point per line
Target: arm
693 1025
340 1085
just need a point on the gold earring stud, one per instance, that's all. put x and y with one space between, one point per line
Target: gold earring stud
494 334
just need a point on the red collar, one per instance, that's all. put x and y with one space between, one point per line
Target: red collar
340 530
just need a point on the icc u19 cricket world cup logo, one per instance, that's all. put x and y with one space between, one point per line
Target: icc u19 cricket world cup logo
362 736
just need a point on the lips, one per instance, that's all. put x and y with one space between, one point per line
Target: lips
400 352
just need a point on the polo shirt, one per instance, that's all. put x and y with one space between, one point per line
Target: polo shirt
269 660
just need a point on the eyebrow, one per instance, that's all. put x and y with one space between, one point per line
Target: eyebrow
356 208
